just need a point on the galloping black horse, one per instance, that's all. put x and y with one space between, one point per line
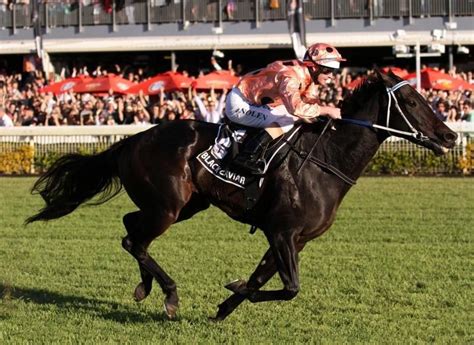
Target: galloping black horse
299 201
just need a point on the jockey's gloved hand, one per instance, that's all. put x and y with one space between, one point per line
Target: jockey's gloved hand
332 112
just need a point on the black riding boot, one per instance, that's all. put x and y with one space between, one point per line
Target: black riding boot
250 159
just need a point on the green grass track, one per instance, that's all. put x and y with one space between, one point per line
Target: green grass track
395 268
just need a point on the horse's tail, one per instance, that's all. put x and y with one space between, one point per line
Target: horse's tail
74 179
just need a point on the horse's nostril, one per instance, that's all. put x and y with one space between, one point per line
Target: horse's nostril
450 136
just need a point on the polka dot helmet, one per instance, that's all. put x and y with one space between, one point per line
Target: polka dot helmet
324 55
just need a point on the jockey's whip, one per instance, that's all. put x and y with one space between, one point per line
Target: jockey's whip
328 124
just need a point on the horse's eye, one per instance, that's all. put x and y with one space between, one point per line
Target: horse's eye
411 104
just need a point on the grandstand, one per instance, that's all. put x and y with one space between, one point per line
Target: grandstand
191 25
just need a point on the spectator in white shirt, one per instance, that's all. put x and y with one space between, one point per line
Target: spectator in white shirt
5 120
211 111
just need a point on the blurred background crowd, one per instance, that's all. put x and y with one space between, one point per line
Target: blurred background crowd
23 103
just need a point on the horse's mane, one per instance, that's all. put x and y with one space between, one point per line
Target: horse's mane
361 94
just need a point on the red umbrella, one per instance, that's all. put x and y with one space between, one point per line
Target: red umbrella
399 72
355 83
432 79
105 83
65 85
217 79
169 81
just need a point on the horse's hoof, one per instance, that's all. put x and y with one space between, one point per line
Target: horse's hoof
216 318
222 313
140 292
238 286
170 310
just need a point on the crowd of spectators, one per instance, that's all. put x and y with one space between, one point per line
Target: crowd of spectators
21 103
453 105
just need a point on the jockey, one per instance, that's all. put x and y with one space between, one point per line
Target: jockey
276 96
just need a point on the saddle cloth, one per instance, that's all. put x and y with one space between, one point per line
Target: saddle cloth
217 158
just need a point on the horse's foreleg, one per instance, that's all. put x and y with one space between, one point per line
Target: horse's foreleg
286 259
263 273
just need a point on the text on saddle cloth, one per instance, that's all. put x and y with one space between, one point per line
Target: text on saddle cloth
215 166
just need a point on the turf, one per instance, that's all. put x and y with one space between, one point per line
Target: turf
396 267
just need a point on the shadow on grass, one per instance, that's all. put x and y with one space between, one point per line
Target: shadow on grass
103 309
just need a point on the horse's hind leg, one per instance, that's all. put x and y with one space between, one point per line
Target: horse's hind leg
131 222
150 226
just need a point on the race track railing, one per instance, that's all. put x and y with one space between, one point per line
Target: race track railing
48 143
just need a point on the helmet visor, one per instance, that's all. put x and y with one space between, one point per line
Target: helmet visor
329 63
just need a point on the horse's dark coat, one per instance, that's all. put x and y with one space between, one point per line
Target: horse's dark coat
158 171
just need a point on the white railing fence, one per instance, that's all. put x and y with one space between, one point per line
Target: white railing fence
56 141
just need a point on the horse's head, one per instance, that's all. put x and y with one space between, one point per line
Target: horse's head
405 113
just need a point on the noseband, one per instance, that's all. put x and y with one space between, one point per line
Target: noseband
391 95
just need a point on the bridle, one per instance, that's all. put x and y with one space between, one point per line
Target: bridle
391 95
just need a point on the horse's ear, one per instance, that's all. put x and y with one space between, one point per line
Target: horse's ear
378 72
392 75
388 79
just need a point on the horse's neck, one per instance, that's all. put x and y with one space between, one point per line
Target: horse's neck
353 146
358 147
360 143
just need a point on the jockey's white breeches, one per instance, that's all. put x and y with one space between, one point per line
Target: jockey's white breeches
260 116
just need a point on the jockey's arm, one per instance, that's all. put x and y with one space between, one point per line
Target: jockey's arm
289 89
310 95
304 107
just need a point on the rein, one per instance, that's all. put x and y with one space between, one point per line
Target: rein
391 95
328 123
